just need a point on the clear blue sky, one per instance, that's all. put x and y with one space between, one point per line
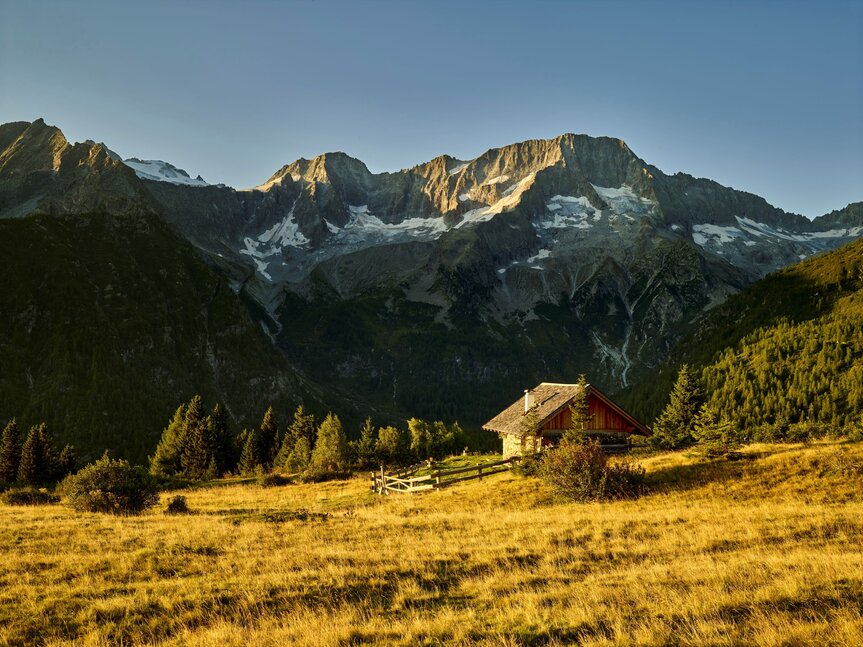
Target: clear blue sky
762 96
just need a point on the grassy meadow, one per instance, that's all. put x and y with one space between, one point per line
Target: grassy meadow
764 550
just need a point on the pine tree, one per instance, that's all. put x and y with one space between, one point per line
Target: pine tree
212 472
715 437
223 445
250 457
364 448
267 436
37 464
529 430
331 448
302 427
167 459
198 448
67 462
10 452
300 456
194 413
674 426
579 408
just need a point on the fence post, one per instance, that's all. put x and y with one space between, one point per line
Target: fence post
480 472
383 480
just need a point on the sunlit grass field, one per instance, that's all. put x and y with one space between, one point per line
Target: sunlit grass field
765 550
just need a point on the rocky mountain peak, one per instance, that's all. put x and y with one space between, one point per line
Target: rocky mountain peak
37 147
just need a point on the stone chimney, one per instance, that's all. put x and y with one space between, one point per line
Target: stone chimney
528 400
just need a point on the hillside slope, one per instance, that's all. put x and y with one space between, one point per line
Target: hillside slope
789 347
108 322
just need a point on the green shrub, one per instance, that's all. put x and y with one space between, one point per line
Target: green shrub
111 486
581 472
177 505
28 497
273 480
528 465
313 475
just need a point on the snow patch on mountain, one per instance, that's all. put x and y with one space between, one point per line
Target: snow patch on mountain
364 226
527 179
623 200
283 234
564 211
540 255
458 168
751 233
159 171
497 179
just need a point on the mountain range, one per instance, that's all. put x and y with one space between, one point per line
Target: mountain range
438 291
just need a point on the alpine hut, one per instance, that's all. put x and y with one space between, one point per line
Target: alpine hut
539 419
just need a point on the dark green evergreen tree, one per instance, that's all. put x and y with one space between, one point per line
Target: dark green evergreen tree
331 447
223 444
167 459
297 442
268 433
300 456
715 437
67 462
675 425
198 449
363 449
10 452
579 408
250 458
37 462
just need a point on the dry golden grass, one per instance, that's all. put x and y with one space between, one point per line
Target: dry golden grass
767 550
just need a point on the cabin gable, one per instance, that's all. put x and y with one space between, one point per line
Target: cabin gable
548 406
602 418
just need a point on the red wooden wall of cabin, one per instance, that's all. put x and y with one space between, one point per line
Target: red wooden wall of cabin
602 418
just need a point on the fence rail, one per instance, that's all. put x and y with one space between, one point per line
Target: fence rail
404 481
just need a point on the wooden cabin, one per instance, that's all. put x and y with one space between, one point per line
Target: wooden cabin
546 408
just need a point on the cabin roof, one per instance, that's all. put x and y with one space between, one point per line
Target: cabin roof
548 399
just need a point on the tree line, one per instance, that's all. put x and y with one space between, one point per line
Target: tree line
695 416
35 461
197 445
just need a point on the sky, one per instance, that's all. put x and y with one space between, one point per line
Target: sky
765 97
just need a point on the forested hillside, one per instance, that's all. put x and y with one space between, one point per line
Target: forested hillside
108 322
789 348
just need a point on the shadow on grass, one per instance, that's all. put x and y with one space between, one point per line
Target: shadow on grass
680 478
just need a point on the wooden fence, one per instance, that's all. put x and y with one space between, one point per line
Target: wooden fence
406 481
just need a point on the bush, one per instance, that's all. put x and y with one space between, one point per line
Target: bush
273 480
528 465
581 472
625 481
313 475
28 497
177 505
111 486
